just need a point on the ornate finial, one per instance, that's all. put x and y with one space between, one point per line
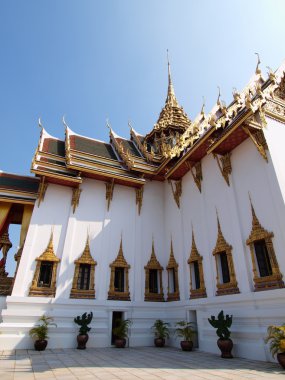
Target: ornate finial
219 95
50 243
170 93
252 208
64 122
218 221
257 70
202 112
271 73
108 125
40 123
171 247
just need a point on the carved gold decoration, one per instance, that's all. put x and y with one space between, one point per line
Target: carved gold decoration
109 192
47 255
42 190
259 141
225 166
124 153
172 267
222 246
120 262
85 258
154 264
76 191
177 192
196 257
196 173
259 233
139 198
280 91
5 245
142 148
275 108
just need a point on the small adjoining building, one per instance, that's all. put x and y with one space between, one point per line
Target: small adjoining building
181 223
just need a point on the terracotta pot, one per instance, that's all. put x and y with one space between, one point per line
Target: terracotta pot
81 341
159 342
40 345
186 345
120 342
281 359
225 345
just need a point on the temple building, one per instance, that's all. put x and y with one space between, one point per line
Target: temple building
180 223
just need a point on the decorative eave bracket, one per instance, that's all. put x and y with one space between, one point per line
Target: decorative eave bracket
177 191
42 190
76 191
225 166
109 192
259 141
196 173
139 198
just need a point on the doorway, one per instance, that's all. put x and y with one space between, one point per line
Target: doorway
116 317
193 318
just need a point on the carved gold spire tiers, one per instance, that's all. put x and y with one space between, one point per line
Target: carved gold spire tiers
197 283
44 281
172 272
266 272
226 277
153 279
83 285
171 123
119 279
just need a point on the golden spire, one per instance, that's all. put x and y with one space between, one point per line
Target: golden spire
171 99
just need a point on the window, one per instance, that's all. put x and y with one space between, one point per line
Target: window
84 276
262 258
225 273
153 281
172 280
196 274
172 270
45 274
266 273
119 283
197 284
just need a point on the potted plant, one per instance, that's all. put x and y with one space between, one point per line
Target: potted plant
222 325
276 337
161 331
121 332
83 336
40 332
186 331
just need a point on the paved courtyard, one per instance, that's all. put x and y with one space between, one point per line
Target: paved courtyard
130 363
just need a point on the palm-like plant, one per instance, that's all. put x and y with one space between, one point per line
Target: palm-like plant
185 330
160 329
122 328
276 339
40 331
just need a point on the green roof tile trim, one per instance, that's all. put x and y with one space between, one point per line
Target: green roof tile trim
92 147
12 182
127 144
54 147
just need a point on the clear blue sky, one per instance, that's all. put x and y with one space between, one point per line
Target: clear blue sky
89 60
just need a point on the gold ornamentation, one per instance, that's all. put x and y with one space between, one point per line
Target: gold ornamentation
85 258
196 257
280 91
47 256
172 270
139 198
42 190
76 191
143 149
124 153
120 262
259 233
259 141
275 109
177 192
223 247
5 245
109 192
224 163
196 173
154 264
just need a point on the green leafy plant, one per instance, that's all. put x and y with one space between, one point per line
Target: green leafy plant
40 331
276 339
160 329
222 325
83 322
185 330
122 328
